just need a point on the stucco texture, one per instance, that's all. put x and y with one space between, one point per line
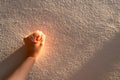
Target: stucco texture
82 38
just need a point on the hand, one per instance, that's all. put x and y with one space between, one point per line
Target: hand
34 43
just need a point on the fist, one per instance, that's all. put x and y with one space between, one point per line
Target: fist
34 43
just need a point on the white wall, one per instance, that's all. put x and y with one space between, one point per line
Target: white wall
83 38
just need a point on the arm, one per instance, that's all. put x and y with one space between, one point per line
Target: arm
34 43
23 70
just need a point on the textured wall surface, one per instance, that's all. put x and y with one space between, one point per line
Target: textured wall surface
83 38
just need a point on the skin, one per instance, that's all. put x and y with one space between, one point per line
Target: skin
34 44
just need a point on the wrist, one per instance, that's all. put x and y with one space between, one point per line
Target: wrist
31 58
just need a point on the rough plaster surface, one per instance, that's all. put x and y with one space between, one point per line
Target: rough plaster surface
83 38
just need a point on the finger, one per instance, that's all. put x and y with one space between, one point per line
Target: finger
37 35
43 39
24 39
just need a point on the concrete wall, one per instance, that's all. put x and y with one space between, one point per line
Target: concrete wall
83 38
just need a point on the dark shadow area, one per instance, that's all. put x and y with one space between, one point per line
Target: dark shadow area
8 65
102 63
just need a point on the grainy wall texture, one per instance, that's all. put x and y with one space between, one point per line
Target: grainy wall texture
83 38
